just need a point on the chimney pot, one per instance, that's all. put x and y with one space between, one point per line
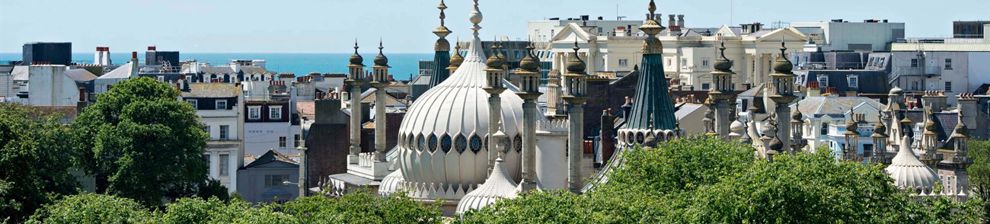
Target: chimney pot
134 55
152 48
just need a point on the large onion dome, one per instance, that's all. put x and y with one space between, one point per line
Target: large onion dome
498 186
443 135
910 173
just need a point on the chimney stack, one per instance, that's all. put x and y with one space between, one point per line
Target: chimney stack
813 89
680 21
671 21
152 48
134 56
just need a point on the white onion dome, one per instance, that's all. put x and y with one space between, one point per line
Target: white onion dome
391 183
498 186
737 127
896 91
910 173
442 137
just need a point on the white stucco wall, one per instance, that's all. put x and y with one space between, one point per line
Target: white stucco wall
48 86
261 137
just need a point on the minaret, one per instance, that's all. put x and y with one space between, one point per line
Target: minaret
880 141
553 91
852 138
576 81
929 138
380 81
956 165
781 91
652 98
797 129
529 91
495 76
723 93
354 80
441 56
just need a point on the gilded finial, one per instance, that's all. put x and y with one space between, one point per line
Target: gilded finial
653 9
442 30
651 27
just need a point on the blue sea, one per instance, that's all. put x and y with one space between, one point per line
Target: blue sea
403 66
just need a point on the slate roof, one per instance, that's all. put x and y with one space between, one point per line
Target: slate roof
270 157
212 90
871 82
6 69
80 75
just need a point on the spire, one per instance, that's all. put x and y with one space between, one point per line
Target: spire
475 50
652 97
356 58
380 59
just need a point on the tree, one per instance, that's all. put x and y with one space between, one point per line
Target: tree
141 141
34 162
362 207
979 172
92 208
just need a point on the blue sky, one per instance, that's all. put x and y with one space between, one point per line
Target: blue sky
330 26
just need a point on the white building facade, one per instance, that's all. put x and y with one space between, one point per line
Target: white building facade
218 107
842 35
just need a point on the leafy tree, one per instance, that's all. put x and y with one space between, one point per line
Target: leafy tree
92 208
979 172
141 142
34 162
362 207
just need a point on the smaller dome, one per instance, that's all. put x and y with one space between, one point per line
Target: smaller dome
529 62
796 115
498 186
457 59
494 61
391 183
910 173
737 127
879 130
575 65
723 64
782 65
961 131
776 144
380 59
356 58
896 91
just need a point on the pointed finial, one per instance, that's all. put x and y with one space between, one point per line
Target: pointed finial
381 60
476 18
653 9
442 30
356 58
443 15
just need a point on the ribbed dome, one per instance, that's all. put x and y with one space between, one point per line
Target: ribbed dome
381 60
723 64
737 127
910 173
442 136
529 62
782 65
575 65
495 61
391 183
896 91
498 186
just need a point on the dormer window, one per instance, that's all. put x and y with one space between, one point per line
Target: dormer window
221 104
254 113
853 81
275 112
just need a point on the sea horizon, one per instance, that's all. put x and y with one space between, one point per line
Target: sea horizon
403 66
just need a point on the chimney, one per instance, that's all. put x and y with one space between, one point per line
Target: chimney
671 22
680 21
970 108
934 99
134 56
813 89
152 48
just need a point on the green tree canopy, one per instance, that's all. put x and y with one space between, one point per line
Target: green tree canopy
34 161
141 142
362 207
979 172
92 208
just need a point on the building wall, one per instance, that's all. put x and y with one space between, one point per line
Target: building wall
979 70
253 187
839 36
49 86
260 137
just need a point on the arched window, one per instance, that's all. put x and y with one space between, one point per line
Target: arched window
824 130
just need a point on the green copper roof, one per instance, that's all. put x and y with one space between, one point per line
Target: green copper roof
652 105
441 60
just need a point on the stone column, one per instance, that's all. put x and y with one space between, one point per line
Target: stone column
380 122
529 145
355 123
494 119
575 144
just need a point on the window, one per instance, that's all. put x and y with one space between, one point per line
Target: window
224 132
206 128
275 180
254 112
824 130
161 78
853 81
624 62
193 102
948 64
948 86
224 163
221 104
684 63
275 112
914 62
281 141
704 63
298 140
705 86
823 81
